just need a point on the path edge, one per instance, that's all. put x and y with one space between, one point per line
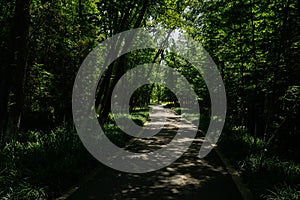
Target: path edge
236 176
69 192
85 179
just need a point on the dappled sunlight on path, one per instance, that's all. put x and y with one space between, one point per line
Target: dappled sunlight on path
189 177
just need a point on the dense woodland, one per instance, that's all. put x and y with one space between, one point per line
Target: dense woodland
254 43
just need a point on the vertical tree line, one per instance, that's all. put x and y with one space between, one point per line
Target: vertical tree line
43 44
14 69
256 46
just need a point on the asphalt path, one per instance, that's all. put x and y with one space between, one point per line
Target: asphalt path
189 177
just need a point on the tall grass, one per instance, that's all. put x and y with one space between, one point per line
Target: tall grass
283 192
42 165
139 115
268 175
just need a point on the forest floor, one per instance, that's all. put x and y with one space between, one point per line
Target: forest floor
189 177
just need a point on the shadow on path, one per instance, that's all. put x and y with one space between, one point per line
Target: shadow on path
189 177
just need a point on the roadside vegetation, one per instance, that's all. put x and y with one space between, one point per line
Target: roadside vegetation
267 171
255 46
44 164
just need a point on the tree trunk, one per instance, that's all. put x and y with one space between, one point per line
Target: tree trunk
107 85
4 94
18 65
5 78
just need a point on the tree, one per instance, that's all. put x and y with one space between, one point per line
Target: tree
13 73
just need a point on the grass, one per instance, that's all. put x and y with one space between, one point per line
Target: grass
42 165
139 115
239 145
282 192
268 175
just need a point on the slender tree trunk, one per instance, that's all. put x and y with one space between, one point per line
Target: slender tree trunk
4 94
253 108
108 84
18 64
272 106
5 73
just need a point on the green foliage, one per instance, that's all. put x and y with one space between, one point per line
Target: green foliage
287 170
39 89
139 115
43 165
240 144
260 165
14 188
283 192
273 166
255 45
253 156
176 109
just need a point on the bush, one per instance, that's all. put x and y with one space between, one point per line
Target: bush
42 165
287 170
272 167
13 187
139 115
260 166
239 144
283 192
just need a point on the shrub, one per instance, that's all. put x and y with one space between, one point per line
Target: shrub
41 165
283 192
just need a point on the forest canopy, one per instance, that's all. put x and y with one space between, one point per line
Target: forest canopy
255 45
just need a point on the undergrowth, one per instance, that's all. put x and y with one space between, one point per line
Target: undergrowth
282 192
268 175
44 164
139 116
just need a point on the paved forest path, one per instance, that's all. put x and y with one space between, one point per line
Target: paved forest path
189 177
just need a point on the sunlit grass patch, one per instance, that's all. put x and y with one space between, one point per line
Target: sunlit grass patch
139 115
